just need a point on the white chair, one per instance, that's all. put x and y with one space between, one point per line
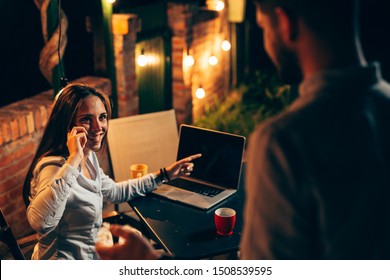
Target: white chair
151 139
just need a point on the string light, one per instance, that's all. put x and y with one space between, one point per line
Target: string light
226 46
188 59
142 60
220 6
213 60
200 92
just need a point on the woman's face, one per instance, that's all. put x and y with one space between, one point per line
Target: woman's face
92 115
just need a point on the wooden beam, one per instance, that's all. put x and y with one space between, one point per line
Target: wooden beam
52 24
109 53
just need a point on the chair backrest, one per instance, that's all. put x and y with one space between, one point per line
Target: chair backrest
151 139
7 237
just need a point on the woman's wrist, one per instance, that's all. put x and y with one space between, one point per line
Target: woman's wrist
161 176
74 161
157 178
167 178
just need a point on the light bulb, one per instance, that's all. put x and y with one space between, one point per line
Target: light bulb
220 6
189 60
200 93
226 46
111 1
213 60
142 60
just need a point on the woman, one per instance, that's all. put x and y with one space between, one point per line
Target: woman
65 188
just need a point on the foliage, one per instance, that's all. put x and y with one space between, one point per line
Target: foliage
247 105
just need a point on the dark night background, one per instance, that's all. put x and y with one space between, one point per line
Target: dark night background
21 41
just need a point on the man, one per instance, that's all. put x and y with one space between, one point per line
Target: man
317 183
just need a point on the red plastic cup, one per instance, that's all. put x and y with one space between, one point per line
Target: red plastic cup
225 219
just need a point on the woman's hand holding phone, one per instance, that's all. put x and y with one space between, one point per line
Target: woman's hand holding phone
77 139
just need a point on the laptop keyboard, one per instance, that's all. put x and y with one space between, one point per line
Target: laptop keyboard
196 187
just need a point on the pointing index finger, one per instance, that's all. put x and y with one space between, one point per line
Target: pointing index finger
191 158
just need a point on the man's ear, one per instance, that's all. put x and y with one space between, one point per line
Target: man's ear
287 23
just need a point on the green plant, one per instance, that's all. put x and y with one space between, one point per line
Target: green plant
247 105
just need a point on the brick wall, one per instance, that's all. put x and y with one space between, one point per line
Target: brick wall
125 28
202 31
22 125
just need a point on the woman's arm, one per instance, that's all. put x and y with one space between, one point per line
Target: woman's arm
126 190
50 187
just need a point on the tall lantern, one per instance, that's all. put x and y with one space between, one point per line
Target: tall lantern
236 10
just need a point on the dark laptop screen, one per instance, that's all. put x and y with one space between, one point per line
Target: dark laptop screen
221 159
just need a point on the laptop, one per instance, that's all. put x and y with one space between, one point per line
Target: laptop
216 174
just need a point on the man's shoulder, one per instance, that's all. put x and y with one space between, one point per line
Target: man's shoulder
276 125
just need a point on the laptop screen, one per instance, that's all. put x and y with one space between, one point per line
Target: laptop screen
221 159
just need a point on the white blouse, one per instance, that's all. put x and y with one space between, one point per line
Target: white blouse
66 207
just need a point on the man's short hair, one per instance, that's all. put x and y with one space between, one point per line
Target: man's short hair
320 15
